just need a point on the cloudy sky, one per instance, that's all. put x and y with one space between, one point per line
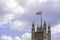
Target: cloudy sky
16 17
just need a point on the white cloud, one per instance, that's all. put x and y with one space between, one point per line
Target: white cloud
41 1
4 37
19 25
13 6
17 38
29 2
9 11
54 0
53 5
12 9
6 18
55 29
25 36
9 16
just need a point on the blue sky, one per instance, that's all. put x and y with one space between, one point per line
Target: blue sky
16 17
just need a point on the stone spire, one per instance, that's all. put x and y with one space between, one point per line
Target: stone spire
33 31
49 32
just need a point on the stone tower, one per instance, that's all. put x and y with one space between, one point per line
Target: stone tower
42 33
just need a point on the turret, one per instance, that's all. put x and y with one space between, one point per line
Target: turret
49 32
38 28
44 30
33 27
44 27
41 28
33 31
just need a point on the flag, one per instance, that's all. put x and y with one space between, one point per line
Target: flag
39 13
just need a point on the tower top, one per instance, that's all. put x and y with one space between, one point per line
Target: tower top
49 26
44 22
33 23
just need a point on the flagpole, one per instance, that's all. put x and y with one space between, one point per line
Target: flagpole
40 13
41 19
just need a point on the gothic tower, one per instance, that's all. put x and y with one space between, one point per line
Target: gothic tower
42 33
49 32
44 30
33 31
